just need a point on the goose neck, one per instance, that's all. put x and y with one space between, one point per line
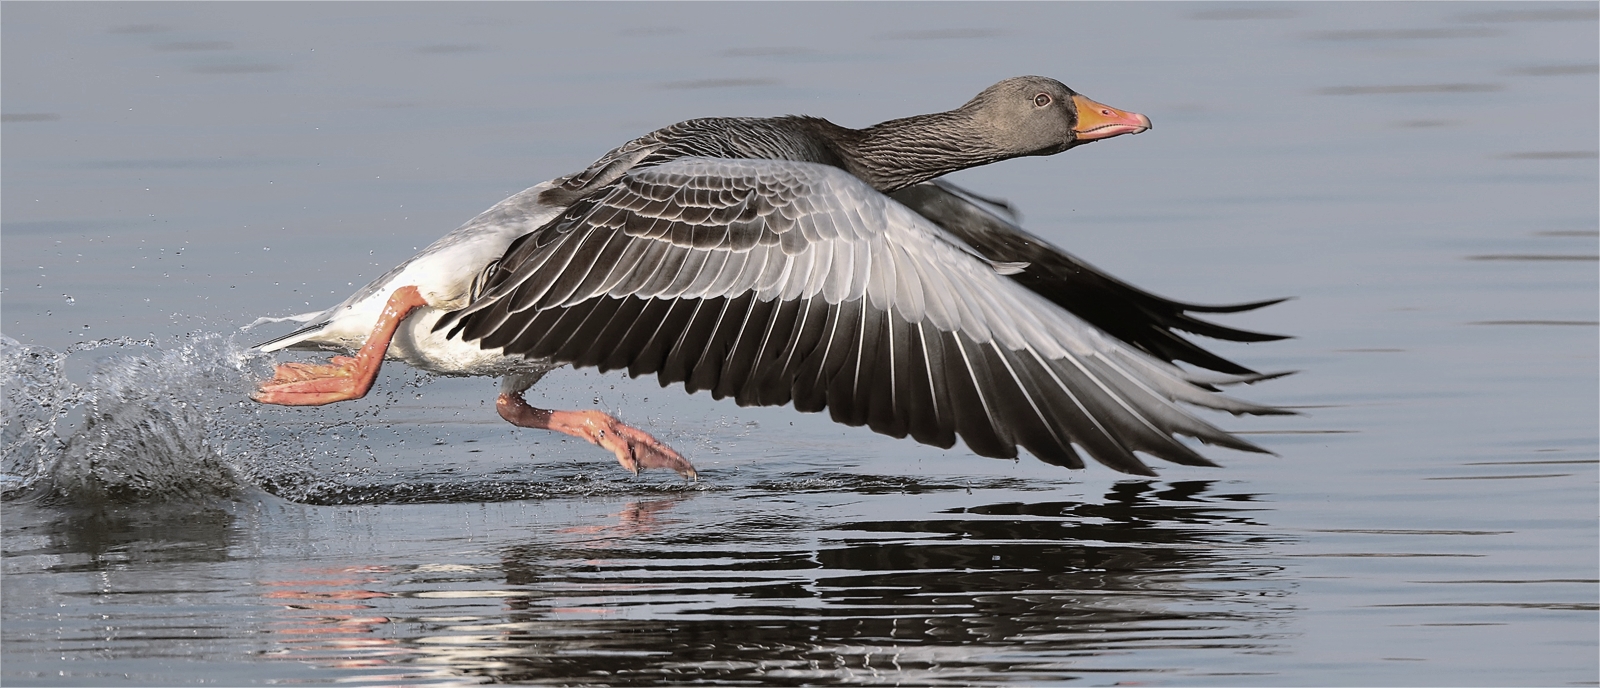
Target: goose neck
902 152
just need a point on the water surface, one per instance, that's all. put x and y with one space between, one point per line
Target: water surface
1421 177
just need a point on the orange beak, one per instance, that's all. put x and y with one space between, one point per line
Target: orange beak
1096 121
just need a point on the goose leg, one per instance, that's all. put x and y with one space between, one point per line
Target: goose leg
636 450
343 377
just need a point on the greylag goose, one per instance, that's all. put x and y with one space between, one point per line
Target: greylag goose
790 260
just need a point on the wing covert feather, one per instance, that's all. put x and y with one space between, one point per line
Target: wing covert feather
779 282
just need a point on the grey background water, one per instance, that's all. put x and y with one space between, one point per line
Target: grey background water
1421 176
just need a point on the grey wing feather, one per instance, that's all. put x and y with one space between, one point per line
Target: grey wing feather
775 282
1148 322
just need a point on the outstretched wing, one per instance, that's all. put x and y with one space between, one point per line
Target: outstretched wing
1122 310
775 282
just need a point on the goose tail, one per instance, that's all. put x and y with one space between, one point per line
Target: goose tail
292 338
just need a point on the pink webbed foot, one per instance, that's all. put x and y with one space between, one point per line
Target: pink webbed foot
635 449
343 377
304 384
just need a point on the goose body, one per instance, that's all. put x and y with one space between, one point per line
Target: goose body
444 272
790 260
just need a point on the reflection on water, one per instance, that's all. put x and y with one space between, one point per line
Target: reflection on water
327 620
91 539
1040 591
1034 590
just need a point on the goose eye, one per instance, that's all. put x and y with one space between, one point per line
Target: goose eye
1041 100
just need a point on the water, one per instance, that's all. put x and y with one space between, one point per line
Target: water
1422 177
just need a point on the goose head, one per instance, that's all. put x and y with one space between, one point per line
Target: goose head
1035 115
1025 115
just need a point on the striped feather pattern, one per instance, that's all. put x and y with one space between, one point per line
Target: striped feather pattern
1147 321
776 282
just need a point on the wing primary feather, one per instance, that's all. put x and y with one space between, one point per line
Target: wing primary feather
614 337
767 384
927 367
845 405
740 363
861 357
886 406
523 332
1101 443
921 408
813 380
691 339
656 354
1028 393
797 340
806 346
1158 441
544 342
708 365
582 347
634 334
1176 419
1141 319
986 438
941 432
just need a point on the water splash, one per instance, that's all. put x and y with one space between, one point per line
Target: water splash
143 425
170 421
139 420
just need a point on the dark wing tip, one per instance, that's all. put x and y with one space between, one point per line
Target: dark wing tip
1137 317
1234 307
